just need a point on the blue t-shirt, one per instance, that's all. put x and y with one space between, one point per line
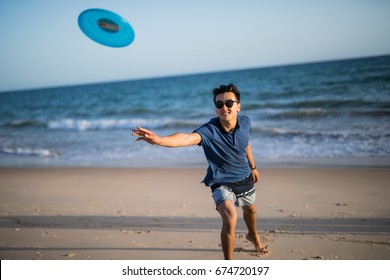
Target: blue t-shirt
225 151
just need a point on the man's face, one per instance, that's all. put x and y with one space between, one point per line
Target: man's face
225 113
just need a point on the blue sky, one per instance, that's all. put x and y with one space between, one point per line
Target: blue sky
42 45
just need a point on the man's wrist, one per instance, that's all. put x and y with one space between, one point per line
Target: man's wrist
253 168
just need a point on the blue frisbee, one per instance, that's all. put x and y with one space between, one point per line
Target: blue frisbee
106 28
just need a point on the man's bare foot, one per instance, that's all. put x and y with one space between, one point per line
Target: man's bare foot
260 248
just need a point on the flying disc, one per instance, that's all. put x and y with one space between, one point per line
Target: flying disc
106 28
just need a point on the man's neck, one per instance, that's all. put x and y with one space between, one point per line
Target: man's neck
229 126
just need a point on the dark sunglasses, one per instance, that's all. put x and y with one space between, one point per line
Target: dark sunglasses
229 103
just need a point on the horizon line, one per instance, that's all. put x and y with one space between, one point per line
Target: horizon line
52 87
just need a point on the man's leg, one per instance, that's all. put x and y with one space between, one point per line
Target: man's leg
250 221
229 218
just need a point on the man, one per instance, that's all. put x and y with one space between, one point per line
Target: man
232 170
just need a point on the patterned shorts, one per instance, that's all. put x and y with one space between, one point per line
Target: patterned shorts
244 192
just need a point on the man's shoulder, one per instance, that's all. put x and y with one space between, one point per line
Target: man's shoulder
211 123
242 119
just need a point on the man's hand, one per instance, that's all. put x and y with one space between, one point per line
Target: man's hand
146 135
255 175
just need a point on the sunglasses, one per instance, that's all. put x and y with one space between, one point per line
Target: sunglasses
229 103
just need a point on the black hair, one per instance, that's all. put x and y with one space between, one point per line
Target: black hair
227 88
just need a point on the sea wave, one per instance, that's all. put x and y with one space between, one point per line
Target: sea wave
319 113
302 113
43 153
118 124
332 103
277 132
20 123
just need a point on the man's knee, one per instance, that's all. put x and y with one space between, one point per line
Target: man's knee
228 214
249 209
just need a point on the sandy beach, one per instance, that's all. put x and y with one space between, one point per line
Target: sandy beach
113 213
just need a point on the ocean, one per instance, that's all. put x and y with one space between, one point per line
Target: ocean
333 113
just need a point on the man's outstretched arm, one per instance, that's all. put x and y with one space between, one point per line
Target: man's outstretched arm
174 140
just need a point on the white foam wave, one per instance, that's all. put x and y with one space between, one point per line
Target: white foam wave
44 153
112 124
102 124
